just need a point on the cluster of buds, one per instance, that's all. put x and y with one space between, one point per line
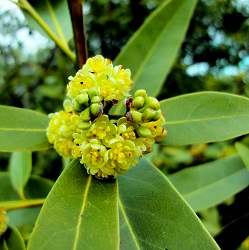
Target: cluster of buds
3 222
105 144
145 111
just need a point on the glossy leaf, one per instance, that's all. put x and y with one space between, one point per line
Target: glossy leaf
205 117
20 170
37 187
243 152
211 183
22 130
55 14
154 216
80 212
152 50
12 240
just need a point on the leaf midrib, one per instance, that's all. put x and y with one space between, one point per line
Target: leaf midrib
85 195
23 129
200 190
128 224
204 119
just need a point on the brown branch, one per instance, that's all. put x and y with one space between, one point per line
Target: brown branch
76 12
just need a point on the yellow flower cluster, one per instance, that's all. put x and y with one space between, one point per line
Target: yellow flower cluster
3 221
105 144
99 73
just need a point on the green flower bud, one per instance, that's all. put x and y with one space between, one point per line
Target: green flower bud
143 132
82 99
86 115
138 102
153 103
157 115
135 116
95 99
84 125
92 92
67 104
84 91
77 107
140 92
149 114
96 109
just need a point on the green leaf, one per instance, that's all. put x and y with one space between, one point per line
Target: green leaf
22 130
211 183
36 187
20 170
55 14
12 240
205 117
154 216
80 212
152 50
243 152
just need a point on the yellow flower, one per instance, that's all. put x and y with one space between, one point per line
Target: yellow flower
82 80
121 156
60 131
93 156
3 221
99 65
122 79
99 73
158 132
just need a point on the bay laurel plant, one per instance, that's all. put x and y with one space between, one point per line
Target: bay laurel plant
110 196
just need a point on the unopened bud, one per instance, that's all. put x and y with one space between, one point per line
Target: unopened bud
95 99
138 102
86 115
149 114
92 92
153 103
67 104
135 116
84 125
140 92
77 107
158 114
82 99
143 132
97 109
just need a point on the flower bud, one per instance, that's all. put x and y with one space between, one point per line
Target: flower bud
82 99
135 116
92 92
153 103
86 115
96 109
158 114
140 92
143 132
149 114
84 125
95 99
67 104
77 107
138 102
